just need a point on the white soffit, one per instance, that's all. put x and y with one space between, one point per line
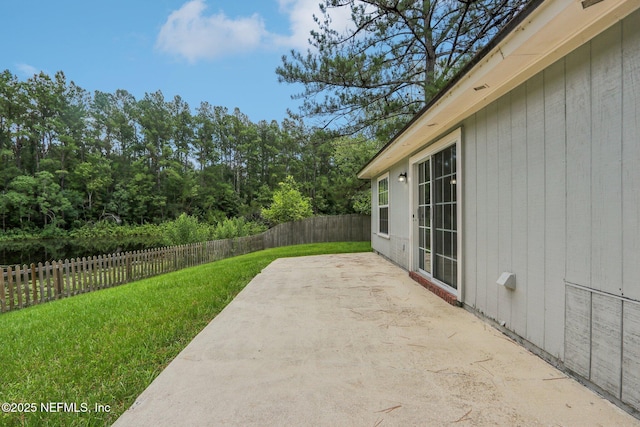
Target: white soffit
551 31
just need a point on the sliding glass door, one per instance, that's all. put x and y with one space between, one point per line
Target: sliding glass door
437 216
424 216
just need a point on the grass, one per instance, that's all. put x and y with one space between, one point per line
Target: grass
106 347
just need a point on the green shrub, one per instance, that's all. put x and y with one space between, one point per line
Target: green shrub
184 230
288 204
102 229
236 227
187 229
362 202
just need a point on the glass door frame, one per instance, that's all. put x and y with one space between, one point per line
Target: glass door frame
455 137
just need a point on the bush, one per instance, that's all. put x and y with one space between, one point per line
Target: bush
185 229
362 202
288 204
236 227
108 229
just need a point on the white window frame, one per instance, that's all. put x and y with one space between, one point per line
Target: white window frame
379 206
454 137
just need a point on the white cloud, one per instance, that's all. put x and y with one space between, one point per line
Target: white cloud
301 21
27 70
193 35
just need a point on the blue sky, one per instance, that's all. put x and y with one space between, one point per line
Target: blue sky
220 51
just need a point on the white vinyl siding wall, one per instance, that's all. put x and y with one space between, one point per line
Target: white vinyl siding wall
552 194
395 245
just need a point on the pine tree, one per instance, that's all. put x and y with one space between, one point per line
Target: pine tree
394 57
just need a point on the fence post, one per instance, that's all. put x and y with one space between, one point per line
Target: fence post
41 281
47 274
128 266
57 279
34 282
117 274
66 282
106 262
10 283
26 283
18 272
82 274
73 271
121 268
113 265
3 306
90 273
23 286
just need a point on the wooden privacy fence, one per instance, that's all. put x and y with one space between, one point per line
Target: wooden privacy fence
23 286
320 229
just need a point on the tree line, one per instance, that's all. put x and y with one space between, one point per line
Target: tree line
69 158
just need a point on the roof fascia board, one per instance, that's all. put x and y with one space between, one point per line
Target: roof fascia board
545 34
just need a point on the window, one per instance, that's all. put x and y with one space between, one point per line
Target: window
383 205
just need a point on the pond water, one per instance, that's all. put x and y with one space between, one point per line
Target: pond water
35 251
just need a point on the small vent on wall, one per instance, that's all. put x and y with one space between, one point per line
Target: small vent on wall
484 86
508 280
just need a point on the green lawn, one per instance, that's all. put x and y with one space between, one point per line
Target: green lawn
104 348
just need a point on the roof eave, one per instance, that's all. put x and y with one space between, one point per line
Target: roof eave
545 31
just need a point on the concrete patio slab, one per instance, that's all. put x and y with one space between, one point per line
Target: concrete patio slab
351 340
